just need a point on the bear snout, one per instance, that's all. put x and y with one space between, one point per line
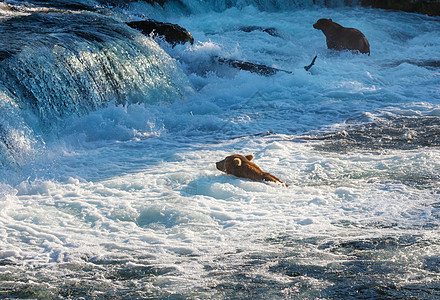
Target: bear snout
220 165
315 25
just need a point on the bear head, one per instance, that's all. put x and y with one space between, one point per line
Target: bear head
323 23
233 162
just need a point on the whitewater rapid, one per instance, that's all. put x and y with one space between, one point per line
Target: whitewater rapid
125 200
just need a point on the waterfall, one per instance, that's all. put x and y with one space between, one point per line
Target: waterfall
56 64
198 6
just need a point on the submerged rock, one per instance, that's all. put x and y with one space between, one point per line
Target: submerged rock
269 30
251 67
256 68
173 33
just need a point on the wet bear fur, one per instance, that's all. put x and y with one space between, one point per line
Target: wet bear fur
341 38
241 166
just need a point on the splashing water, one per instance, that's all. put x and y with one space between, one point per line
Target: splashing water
119 196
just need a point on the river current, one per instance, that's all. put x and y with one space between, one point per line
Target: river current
109 138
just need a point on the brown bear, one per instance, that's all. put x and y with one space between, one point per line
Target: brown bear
341 38
241 166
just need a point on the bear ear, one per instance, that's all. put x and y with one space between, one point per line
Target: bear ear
330 20
237 162
250 157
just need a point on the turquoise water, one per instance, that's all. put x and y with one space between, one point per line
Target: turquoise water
109 143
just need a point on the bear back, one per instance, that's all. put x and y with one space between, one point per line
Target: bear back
242 166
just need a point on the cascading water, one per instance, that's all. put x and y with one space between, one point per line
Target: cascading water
164 9
265 5
60 63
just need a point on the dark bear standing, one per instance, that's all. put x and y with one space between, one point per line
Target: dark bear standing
341 38
241 166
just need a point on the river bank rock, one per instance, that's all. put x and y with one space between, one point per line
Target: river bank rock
427 7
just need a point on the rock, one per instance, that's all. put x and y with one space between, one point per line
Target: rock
256 68
428 7
269 30
251 67
173 33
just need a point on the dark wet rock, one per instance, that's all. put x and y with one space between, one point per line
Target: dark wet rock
250 67
428 7
173 33
269 30
255 68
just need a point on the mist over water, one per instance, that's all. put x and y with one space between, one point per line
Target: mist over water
108 144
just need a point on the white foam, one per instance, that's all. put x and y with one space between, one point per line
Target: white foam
130 182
